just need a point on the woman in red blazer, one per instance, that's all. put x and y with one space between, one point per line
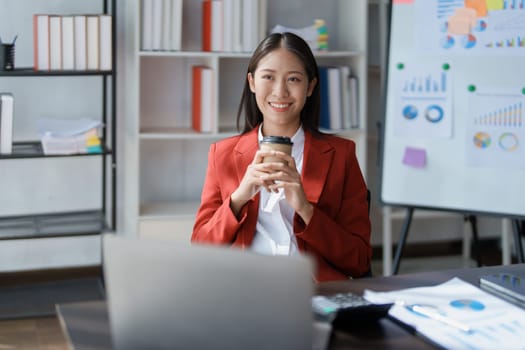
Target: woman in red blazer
321 196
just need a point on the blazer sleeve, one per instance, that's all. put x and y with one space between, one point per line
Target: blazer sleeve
215 222
338 234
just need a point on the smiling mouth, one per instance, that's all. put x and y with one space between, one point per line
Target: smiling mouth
279 105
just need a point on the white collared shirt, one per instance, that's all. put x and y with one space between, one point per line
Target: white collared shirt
274 230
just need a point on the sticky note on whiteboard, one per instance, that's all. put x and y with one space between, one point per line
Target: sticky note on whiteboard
495 4
415 157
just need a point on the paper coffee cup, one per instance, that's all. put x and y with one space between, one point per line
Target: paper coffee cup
276 143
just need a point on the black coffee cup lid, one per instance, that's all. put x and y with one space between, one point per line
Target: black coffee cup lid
277 139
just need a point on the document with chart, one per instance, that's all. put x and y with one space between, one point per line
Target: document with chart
457 315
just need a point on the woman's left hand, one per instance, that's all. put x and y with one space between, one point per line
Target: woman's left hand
286 176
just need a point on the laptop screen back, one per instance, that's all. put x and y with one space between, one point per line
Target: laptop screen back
166 296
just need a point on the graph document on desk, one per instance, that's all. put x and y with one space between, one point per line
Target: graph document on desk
454 121
457 315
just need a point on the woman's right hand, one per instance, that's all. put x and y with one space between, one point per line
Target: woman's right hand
252 181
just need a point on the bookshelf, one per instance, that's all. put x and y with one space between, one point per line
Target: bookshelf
166 159
53 208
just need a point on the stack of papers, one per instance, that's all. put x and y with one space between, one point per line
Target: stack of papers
309 34
457 315
64 136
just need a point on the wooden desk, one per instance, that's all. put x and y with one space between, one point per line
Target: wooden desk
86 324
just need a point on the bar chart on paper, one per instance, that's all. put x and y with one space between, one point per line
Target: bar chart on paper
496 132
423 102
510 115
425 84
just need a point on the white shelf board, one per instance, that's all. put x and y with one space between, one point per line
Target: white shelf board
179 134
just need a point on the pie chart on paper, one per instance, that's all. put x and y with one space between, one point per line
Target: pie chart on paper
410 112
481 26
434 113
481 140
468 41
447 42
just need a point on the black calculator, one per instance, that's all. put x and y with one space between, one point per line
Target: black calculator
347 309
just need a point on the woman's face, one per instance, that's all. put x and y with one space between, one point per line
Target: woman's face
281 86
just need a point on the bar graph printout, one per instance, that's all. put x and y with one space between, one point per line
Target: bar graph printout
492 323
423 100
495 135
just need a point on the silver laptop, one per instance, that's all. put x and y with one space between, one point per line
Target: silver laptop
165 296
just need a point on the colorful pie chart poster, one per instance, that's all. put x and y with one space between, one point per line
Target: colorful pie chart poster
471 26
424 100
496 131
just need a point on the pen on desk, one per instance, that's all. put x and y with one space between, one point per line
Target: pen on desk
435 315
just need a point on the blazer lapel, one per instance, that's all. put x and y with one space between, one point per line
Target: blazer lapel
244 152
317 159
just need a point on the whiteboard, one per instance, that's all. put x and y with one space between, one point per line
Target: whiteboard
453 135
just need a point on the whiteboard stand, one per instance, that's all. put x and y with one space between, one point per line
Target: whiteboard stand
389 215
507 225
505 241
402 239
404 235
466 250
387 241
519 231
475 237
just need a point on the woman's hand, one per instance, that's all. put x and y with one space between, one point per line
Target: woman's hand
285 175
253 180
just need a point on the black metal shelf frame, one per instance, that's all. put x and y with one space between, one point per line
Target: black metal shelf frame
89 222
30 72
33 149
61 224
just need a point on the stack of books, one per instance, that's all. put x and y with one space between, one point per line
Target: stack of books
61 137
233 25
202 99
339 98
6 122
161 25
72 42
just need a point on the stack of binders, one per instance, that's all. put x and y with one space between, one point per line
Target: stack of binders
6 122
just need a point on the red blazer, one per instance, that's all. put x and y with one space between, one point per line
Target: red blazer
338 235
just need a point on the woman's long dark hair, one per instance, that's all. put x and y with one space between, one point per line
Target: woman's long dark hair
296 45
